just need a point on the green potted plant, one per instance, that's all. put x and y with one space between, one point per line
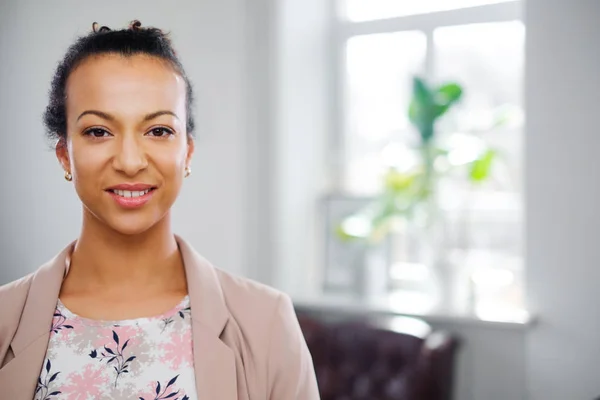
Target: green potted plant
409 197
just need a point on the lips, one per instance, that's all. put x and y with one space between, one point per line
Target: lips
132 187
131 195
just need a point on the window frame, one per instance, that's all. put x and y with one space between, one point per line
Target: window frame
342 30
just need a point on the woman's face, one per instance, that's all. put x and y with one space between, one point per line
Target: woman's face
127 146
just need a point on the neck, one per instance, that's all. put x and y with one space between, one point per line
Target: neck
108 260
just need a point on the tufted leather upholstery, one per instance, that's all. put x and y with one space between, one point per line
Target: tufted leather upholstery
358 361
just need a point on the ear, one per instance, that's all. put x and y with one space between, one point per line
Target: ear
62 154
190 151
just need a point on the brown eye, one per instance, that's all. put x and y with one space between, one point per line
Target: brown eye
160 132
97 132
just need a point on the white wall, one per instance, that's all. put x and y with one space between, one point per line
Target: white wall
491 361
300 122
563 191
40 212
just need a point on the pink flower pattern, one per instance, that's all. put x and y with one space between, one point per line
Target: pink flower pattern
143 358
88 384
178 352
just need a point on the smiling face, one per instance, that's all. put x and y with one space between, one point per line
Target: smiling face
126 147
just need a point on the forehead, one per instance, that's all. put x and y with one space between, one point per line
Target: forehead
125 85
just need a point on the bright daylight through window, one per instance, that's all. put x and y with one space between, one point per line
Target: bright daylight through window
431 120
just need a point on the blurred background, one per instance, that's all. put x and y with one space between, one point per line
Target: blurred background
418 167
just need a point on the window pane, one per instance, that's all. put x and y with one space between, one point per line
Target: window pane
367 10
488 61
379 72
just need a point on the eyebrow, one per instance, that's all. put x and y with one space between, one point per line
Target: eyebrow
109 117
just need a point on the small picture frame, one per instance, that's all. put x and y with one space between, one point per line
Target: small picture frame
344 260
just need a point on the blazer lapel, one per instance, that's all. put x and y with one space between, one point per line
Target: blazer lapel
18 378
214 361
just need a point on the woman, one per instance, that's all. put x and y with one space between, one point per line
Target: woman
129 310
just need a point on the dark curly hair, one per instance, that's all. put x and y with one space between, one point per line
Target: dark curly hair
103 40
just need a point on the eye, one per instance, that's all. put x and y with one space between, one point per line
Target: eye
160 131
96 132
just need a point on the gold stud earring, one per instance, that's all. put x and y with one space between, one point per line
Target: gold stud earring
68 176
188 171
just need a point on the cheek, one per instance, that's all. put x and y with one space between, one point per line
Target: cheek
170 162
87 161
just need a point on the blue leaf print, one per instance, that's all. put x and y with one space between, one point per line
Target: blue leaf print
185 311
58 322
42 391
166 393
115 355
53 377
172 381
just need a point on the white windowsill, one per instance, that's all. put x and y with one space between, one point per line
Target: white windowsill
344 304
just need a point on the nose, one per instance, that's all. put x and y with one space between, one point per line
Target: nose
130 158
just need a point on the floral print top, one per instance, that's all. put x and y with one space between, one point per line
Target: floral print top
139 359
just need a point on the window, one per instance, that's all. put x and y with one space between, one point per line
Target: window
381 46
361 10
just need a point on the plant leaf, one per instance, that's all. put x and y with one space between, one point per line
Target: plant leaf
421 91
115 337
172 381
420 105
157 387
53 377
448 93
482 167
125 345
130 359
48 365
109 350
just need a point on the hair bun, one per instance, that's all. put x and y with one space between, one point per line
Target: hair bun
97 29
135 25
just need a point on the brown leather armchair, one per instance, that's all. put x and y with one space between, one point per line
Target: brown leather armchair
359 361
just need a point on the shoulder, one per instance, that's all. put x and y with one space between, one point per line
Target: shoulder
248 299
257 312
12 297
268 326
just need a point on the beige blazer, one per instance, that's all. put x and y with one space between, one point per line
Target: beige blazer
246 338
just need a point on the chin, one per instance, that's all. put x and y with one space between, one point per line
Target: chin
130 225
128 222
131 230
133 224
